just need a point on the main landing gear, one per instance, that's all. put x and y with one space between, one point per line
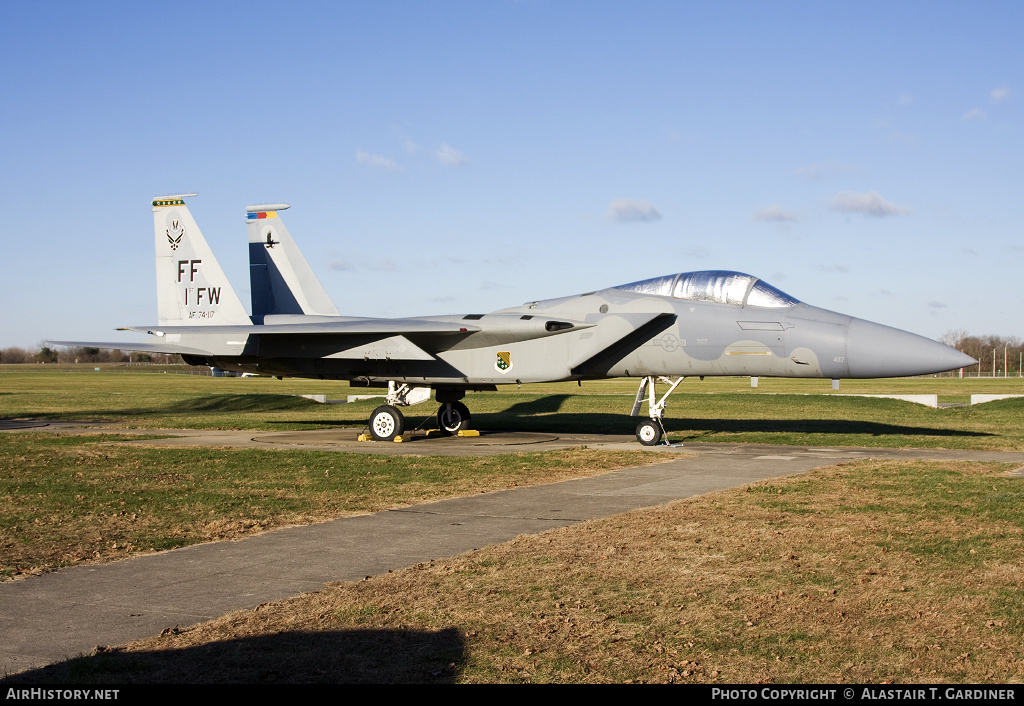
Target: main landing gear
650 431
387 421
452 417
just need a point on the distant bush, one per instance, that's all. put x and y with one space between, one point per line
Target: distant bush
16 355
988 350
83 354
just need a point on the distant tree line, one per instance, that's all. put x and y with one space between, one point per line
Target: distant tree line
83 354
1001 354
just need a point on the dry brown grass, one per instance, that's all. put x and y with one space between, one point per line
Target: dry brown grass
72 499
868 572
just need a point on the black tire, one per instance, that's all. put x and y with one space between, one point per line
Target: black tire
648 432
452 418
386 423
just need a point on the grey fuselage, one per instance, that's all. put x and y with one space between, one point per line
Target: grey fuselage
615 332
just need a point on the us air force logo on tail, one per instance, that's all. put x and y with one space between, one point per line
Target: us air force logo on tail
174 234
504 362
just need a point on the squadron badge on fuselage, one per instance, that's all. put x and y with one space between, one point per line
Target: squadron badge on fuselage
504 362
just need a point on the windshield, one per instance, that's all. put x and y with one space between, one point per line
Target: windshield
721 286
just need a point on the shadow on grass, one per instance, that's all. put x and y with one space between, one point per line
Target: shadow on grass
539 414
597 423
548 404
202 404
815 426
331 657
239 403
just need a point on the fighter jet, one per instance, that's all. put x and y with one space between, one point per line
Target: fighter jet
679 325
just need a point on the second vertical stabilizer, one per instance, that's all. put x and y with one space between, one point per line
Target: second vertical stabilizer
281 280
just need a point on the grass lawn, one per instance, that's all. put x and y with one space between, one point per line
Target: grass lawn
724 409
865 572
869 572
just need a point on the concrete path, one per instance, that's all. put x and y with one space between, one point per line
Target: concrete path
65 613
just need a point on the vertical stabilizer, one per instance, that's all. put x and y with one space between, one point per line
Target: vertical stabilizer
191 288
281 280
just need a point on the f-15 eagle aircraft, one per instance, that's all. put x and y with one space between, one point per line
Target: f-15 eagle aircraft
679 325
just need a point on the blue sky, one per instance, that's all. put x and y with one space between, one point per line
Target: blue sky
455 157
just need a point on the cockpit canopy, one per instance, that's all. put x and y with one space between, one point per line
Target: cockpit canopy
719 286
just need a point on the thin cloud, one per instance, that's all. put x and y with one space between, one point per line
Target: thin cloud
905 99
937 305
900 138
385 265
973 114
449 156
997 95
869 204
823 170
341 264
775 214
630 211
489 286
842 269
376 161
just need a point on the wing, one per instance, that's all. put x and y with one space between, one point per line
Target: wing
342 337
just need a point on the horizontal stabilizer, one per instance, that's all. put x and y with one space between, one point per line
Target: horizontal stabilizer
164 347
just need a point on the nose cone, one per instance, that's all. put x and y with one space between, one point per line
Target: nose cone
876 351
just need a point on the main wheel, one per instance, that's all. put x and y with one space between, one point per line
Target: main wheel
452 417
648 432
386 423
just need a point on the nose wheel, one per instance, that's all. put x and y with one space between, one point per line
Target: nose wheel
649 432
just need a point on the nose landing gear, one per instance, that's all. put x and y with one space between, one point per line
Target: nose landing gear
650 431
